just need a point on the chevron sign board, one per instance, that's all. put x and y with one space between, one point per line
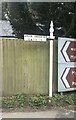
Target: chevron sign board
66 64
69 77
69 51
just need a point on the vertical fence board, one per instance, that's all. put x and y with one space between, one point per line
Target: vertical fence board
5 55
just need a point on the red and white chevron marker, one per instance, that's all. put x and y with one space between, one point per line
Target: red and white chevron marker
69 77
69 51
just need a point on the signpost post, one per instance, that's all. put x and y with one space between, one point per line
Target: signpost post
51 38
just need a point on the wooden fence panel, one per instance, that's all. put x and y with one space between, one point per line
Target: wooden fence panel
25 67
1 66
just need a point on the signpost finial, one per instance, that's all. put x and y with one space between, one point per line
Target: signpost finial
51 30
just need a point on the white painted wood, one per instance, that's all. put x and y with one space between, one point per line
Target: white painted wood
51 68
51 30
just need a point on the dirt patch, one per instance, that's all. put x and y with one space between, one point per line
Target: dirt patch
42 108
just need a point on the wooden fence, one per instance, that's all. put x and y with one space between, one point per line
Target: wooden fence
24 67
1 67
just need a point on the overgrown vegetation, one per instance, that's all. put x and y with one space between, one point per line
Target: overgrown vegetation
21 100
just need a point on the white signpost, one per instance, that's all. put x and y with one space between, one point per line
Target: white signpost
51 38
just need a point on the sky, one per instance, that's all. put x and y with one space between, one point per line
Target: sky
5 28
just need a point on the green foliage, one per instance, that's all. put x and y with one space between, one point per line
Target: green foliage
57 99
7 102
21 100
14 101
60 99
70 99
37 101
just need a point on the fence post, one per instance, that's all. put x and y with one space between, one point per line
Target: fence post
51 38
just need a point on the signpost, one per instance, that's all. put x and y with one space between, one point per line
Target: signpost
51 38
66 64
